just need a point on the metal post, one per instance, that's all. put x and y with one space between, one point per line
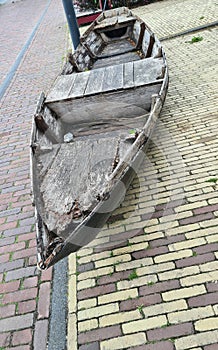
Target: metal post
72 22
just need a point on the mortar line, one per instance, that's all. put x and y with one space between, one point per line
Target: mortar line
189 31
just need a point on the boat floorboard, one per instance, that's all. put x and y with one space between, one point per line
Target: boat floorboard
114 60
117 47
76 173
117 52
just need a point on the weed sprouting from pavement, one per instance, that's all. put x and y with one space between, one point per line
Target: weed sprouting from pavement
195 39
213 180
132 275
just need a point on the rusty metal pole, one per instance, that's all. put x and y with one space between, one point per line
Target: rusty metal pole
72 22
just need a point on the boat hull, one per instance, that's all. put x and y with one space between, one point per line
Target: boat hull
83 153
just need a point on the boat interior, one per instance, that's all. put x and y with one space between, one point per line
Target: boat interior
93 114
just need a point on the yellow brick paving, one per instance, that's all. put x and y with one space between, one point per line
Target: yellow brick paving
155 286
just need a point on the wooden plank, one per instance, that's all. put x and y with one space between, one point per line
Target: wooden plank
102 106
93 42
141 36
136 31
95 81
123 58
116 47
147 70
78 173
124 19
111 13
146 41
150 46
157 50
123 11
49 128
61 87
43 127
113 78
110 21
128 77
79 85
46 158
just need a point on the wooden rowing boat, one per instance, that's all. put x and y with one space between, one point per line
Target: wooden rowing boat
90 131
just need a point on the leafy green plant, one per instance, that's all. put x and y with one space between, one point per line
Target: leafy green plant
213 180
133 275
140 308
195 39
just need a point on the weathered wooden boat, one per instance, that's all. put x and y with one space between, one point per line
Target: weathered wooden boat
89 133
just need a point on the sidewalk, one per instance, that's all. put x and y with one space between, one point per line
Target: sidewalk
24 292
158 290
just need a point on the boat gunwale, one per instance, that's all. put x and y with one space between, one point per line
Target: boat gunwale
124 164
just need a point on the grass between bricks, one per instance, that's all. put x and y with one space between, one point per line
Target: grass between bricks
133 275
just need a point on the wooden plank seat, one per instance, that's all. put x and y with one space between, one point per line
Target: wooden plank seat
140 72
116 22
87 94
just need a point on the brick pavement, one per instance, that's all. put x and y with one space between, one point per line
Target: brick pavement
24 292
17 22
156 290
156 286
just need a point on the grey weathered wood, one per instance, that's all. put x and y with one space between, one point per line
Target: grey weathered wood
111 21
157 50
150 46
146 41
95 82
79 85
128 76
76 174
113 60
116 47
147 70
46 157
82 58
130 102
93 42
124 19
98 104
140 36
48 127
113 78
61 87
136 31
